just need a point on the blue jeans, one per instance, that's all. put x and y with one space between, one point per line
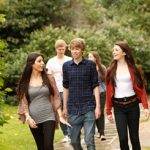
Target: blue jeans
87 121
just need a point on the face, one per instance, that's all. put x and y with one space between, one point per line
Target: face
61 50
76 52
38 64
118 53
91 57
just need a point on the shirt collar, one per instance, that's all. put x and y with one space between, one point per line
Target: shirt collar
81 62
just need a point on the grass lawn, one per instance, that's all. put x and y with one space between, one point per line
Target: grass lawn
16 136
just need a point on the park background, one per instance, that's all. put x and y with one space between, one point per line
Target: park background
34 25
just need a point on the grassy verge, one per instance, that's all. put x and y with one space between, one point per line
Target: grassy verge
16 136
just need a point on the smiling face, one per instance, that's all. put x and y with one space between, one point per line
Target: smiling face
76 52
38 64
118 53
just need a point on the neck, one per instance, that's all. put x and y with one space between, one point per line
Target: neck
35 74
78 60
121 62
60 56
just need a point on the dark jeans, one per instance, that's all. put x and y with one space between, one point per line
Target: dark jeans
44 135
100 122
128 119
87 121
63 127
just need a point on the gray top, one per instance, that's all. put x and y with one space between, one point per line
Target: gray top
40 107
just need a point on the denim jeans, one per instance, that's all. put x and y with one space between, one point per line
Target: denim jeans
128 119
87 121
100 122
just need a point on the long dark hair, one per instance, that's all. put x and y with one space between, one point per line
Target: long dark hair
101 68
23 84
111 73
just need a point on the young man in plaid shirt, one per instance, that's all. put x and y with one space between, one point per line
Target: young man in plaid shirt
81 102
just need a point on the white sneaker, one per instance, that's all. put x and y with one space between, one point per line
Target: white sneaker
66 139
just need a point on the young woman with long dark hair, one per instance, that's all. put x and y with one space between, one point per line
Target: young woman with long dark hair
38 101
101 69
124 91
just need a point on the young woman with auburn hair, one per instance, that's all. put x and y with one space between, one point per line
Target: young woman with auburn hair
124 91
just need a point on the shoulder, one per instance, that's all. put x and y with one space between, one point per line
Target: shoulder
89 62
51 60
67 63
67 58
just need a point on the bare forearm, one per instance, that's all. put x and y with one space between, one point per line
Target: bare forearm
65 97
97 96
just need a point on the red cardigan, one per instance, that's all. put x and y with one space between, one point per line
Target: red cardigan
140 92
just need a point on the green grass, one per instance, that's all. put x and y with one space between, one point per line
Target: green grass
16 136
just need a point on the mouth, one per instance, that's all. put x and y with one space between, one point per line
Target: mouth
115 55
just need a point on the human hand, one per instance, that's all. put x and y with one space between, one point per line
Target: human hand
110 118
97 112
31 123
63 120
65 112
146 113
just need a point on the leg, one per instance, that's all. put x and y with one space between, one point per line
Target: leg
133 123
48 131
100 122
63 126
75 132
38 136
89 130
121 124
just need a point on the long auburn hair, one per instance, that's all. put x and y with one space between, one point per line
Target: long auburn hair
111 73
23 85
101 68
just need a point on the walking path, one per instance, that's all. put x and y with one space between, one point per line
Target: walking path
112 142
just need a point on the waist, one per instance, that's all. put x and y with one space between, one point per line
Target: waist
125 100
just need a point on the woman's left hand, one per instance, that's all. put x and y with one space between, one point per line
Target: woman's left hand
147 113
63 120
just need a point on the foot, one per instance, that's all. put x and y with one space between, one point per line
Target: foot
97 135
102 138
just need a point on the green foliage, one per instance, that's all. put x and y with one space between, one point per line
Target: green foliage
101 23
3 45
23 17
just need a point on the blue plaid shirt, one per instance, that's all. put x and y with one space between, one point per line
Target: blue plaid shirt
80 79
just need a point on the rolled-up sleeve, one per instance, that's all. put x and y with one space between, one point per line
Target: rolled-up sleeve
94 75
65 76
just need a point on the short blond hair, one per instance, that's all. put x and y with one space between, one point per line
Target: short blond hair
77 42
60 43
